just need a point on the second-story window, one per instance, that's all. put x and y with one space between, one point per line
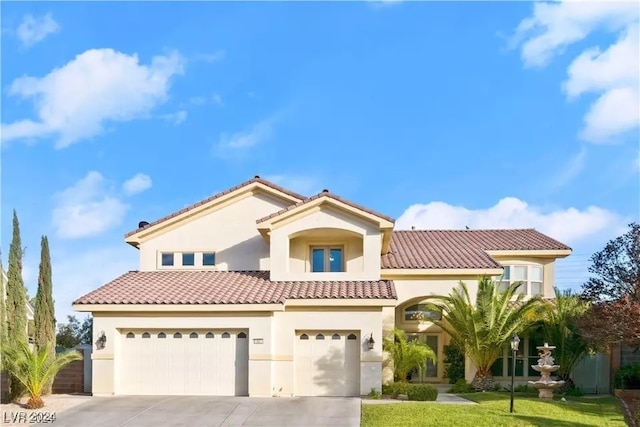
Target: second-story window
188 259
327 259
531 277
167 259
209 259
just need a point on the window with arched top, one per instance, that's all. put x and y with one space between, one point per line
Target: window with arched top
131 335
162 335
146 335
421 312
193 335
319 337
226 335
304 337
335 337
352 337
209 335
177 335
242 335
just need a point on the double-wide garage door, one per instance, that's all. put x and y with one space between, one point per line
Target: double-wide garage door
327 363
184 362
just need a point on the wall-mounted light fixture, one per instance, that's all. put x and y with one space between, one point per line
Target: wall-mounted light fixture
370 342
102 340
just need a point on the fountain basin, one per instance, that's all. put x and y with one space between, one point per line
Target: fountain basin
545 388
545 368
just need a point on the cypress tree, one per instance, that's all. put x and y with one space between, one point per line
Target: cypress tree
16 301
3 305
44 317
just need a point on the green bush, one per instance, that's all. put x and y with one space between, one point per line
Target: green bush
627 377
461 386
422 392
394 389
525 388
574 391
374 394
454 363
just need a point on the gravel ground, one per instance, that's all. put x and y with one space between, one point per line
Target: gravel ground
14 414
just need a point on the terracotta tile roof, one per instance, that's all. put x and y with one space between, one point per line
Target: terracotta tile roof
325 193
215 196
226 287
460 248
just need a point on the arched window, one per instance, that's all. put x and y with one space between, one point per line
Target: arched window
193 335
131 335
319 337
226 335
304 337
146 335
209 335
418 312
242 335
177 335
162 335
335 337
352 337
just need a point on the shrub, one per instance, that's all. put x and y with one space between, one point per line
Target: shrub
627 377
374 394
422 392
525 388
454 362
461 386
574 391
394 389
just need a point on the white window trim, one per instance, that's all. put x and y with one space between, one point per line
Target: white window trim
526 284
177 259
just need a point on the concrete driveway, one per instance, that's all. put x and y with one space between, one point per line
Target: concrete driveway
204 411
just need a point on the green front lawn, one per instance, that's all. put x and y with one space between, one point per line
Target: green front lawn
493 410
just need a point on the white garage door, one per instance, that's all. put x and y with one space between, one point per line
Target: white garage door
327 363
184 362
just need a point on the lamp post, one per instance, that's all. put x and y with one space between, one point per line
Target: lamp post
515 343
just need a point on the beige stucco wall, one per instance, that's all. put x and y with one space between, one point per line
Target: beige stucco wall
364 267
229 231
271 363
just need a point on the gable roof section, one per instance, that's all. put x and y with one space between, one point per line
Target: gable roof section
461 249
227 287
326 195
277 190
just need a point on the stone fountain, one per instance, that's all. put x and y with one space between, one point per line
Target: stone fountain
545 366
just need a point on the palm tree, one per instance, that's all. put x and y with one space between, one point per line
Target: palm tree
560 329
34 368
482 329
407 355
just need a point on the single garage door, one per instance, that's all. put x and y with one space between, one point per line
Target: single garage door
184 362
327 363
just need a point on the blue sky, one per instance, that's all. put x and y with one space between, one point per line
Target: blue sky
439 114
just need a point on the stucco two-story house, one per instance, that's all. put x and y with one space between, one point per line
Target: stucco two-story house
260 291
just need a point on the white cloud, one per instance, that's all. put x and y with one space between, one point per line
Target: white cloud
574 167
176 118
87 208
137 184
611 74
73 102
33 29
300 184
568 225
237 144
211 57
215 99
